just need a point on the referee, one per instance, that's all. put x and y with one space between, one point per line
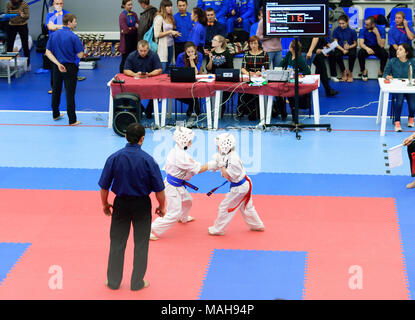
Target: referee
63 49
133 175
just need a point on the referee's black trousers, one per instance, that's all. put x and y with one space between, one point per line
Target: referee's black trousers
69 79
127 211
411 154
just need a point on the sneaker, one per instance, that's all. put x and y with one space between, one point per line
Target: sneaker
153 237
411 185
364 77
410 122
398 127
334 79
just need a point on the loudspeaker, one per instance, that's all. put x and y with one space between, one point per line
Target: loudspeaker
127 110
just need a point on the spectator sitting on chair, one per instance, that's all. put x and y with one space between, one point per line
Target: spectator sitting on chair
220 7
241 15
190 58
400 33
410 143
398 68
213 28
143 63
346 38
371 42
312 49
220 58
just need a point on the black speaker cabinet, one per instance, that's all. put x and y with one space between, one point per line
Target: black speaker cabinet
127 110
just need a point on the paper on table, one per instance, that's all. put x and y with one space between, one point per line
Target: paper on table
395 156
331 47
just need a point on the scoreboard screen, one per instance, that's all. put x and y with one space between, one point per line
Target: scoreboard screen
290 18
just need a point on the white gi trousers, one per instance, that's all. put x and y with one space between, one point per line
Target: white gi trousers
179 203
232 198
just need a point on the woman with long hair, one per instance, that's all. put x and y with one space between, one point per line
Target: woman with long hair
128 21
190 58
198 33
18 25
164 32
398 68
220 58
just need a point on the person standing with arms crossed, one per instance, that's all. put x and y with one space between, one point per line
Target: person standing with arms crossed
63 49
132 175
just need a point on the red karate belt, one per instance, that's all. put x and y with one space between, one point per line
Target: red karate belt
246 198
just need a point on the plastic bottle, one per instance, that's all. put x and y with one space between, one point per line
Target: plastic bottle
263 74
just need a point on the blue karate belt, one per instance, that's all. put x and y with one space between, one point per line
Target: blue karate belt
233 184
176 182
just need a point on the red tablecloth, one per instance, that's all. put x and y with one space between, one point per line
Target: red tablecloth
160 87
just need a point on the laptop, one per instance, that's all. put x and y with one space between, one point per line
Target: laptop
179 74
228 75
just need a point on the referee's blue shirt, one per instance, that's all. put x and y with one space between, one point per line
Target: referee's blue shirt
137 63
65 45
132 172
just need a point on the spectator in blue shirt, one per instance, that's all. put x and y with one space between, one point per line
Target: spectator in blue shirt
184 25
190 58
213 28
198 32
220 7
241 15
254 27
399 33
54 22
346 38
143 63
64 49
132 175
371 42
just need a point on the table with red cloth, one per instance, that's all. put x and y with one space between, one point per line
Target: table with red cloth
160 87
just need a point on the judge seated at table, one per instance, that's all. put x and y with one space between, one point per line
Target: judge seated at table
288 62
143 63
398 68
191 58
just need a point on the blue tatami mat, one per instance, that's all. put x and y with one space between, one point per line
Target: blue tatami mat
10 254
254 275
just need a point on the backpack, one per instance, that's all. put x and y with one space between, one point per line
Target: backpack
149 37
346 3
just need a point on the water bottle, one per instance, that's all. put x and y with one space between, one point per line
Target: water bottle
263 75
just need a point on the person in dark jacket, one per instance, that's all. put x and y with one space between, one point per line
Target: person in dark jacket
128 31
146 18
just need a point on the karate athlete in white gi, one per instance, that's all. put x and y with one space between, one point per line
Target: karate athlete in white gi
180 168
239 195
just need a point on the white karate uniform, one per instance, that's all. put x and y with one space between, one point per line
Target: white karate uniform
237 172
179 164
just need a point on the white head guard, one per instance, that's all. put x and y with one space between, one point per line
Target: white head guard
226 142
182 136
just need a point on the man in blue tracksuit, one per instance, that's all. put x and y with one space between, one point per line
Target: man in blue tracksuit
183 24
220 6
241 14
